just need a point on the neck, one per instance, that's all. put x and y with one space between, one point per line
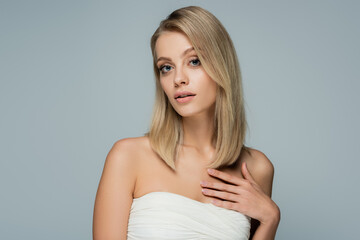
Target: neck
198 131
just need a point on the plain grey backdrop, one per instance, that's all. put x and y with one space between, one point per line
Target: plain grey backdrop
76 76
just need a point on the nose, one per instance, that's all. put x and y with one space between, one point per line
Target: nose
180 77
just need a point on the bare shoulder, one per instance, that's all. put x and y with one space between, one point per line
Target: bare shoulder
122 160
258 163
130 145
116 187
128 150
260 167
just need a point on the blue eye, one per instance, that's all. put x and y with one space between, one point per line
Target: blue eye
162 67
196 60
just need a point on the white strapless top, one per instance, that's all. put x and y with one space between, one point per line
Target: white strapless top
165 215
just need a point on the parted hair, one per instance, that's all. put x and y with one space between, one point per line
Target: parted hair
217 55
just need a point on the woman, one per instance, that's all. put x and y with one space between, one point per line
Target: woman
159 186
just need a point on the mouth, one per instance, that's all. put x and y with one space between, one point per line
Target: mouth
184 99
185 96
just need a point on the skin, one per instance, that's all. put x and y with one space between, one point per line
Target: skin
185 73
245 195
132 169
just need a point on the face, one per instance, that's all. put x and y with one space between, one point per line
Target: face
180 70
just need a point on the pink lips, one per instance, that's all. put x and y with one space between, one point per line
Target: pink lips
185 99
177 94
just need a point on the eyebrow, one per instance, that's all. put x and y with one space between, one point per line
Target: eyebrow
183 54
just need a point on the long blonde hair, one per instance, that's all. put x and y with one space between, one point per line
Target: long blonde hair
218 57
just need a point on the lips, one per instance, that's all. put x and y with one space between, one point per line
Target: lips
183 93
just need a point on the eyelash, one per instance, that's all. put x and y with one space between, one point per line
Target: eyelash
165 65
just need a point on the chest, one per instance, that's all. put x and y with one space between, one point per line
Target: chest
154 175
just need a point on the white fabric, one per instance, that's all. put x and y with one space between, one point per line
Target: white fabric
165 215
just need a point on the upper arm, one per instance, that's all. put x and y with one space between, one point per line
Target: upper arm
115 193
262 170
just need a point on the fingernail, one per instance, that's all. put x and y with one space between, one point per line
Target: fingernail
210 170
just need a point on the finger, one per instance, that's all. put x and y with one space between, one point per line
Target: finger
221 186
220 194
246 173
224 176
225 204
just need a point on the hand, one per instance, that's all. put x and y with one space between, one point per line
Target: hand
244 196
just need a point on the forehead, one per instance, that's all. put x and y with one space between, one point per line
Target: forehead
171 44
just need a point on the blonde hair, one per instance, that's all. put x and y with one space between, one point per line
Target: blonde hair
218 57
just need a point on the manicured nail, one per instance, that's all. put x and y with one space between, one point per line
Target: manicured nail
210 170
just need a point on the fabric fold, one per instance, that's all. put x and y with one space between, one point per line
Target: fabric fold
165 215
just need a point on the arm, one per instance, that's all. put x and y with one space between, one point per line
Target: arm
114 195
262 171
249 195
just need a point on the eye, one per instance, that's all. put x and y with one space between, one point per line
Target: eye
166 67
196 61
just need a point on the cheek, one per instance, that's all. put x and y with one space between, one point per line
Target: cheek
165 88
211 85
212 93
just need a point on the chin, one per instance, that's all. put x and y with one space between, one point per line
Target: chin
186 114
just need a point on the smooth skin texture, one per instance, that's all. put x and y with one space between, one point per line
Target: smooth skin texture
249 197
114 195
245 196
180 73
184 73
132 169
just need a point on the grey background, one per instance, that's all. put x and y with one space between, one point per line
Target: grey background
76 76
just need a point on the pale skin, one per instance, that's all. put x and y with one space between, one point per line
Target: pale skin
126 172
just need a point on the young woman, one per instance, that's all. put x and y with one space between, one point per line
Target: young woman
160 185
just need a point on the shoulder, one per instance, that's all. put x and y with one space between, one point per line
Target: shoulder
258 163
130 146
116 189
122 163
260 168
125 152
